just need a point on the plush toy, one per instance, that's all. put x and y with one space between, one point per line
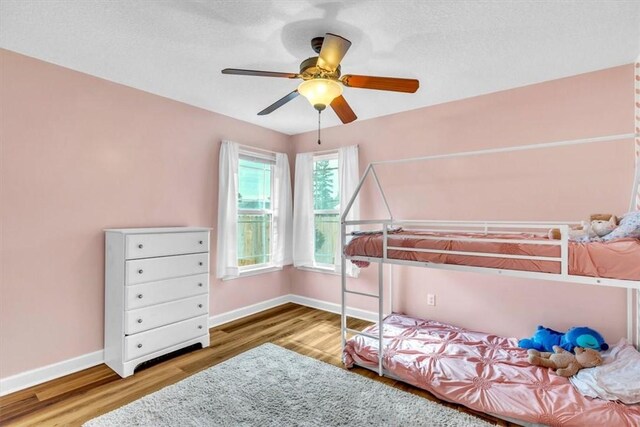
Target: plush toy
584 337
565 363
545 339
599 225
629 227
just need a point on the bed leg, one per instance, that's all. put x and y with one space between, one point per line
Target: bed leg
343 280
390 288
380 316
633 317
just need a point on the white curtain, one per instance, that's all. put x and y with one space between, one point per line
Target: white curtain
349 176
227 251
303 219
282 221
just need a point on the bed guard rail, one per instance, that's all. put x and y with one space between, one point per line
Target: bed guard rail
505 232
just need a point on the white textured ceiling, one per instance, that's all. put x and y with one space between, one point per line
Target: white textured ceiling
456 49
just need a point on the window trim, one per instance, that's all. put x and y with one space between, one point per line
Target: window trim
257 156
270 159
333 155
254 271
319 269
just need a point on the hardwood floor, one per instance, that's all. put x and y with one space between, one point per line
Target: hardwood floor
78 397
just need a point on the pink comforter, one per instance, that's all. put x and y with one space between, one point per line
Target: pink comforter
619 259
484 372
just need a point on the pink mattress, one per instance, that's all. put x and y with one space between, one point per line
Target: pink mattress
484 372
619 259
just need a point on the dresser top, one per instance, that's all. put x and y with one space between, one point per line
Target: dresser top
156 230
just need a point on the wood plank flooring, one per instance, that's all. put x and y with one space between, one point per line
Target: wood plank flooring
79 397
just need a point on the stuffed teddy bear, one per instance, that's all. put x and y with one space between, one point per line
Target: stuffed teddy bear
564 363
599 225
545 339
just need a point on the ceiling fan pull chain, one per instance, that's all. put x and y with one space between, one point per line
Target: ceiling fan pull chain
319 112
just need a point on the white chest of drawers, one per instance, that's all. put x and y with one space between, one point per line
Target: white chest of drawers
156 293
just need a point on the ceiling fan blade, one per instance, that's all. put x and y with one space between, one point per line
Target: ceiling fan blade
381 83
279 103
240 72
343 110
333 50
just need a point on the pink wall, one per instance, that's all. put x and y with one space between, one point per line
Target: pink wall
559 184
80 154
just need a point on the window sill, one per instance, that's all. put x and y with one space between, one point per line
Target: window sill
254 272
318 269
324 270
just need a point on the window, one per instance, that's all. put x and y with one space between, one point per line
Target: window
326 209
255 214
324 183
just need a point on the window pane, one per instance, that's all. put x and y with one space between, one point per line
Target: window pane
254 239
326 191
327 237
254 182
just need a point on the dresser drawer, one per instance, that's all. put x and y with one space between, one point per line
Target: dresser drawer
163 244
146 294
154 269
144 343
154 316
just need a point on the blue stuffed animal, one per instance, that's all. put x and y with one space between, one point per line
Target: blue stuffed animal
545 338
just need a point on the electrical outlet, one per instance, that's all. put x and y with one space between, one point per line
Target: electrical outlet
431 299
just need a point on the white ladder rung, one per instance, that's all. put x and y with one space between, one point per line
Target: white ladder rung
365 334
362 293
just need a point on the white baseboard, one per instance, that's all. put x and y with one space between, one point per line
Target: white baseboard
229 316
50 372
56 370
333 307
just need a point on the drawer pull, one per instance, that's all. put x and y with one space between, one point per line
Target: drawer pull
140 271
139 320
140 246
199 305
200 263
200 284
139 296
199 326
200 242
139 345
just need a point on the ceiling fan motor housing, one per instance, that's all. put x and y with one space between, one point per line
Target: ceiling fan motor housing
310 70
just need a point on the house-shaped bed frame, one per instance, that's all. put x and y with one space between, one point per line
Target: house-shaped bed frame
499 228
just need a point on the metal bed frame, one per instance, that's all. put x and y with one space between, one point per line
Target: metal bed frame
484 227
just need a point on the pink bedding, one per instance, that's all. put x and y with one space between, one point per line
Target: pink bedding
484 372
619 259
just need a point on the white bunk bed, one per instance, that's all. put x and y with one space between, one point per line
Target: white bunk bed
499 228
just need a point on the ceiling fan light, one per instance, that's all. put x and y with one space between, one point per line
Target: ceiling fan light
320 92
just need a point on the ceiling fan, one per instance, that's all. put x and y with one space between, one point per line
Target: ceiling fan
322 81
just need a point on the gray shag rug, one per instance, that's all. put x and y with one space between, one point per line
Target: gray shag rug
272 386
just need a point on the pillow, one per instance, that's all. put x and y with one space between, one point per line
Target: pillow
629 227
618 378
